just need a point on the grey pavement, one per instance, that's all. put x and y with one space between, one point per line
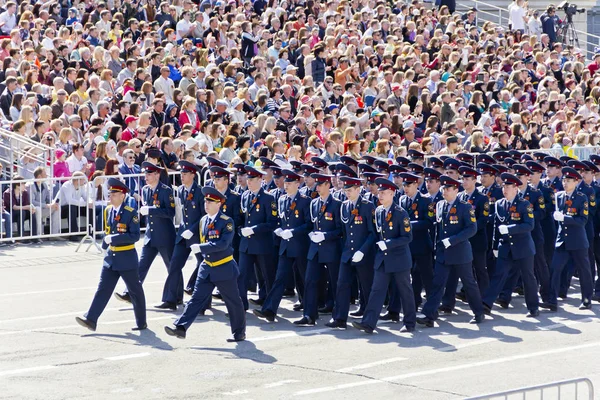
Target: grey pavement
44 354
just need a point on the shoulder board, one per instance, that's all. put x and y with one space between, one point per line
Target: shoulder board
234 193
225 217
365 201
302 196
127 208
463 202
534 190
580 194
426 195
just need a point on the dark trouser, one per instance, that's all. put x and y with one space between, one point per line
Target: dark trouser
347 276
394 299
264 266
597 257
505 280
568 272
20 216
542 272
299 275
149 253
72 213
202 292
381 282
284 271
315 273
579 259
440 278
423 268
108 282
479 271
173 290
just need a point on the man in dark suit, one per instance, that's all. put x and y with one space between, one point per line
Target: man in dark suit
218 268
121 260
7 95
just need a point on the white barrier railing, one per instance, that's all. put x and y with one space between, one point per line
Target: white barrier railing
14 148
568 389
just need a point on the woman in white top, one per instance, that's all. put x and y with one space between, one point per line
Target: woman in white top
228 152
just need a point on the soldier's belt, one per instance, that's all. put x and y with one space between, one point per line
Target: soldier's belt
122 248
220 262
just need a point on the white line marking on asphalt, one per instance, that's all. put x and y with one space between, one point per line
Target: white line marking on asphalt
280 383
127 356
69 314
26 370
468 344
235 393
64 290
447 369
373 364
300 332
567 323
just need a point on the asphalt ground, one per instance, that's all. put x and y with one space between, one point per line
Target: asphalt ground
45 354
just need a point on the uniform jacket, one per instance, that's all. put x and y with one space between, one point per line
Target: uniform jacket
590 193
520 220
260 214
192 211
126 226
359 229
160 230
536 199
458 225
295 217
421 212
372 198
481 206
308 192
326 218
555 183
216 238
276 193
393 227
571 231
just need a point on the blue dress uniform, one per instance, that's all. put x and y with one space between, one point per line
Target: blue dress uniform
421 214
192 201
358 235
120 261
590 193
325 217
160 230
455 223
479 242
571 243
593 164
260 213
218 268
294 215
393 264
516 249
493 192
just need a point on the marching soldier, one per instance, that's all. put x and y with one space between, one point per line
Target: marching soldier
455 224
268 182
256 246
372 192
218 268
241 179
324 251
310 187
356 215
294 225
158 206
514 247
192 202
432 180
392 260
572 243
396 172
420 212
595 161
489 188
122 228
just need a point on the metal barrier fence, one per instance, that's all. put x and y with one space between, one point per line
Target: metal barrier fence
20 155
568 389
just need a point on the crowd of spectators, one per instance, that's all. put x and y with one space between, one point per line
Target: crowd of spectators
107 85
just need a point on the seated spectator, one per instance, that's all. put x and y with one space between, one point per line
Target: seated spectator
16 199
73 200
41 199
77 161
29 162
99 195
61 168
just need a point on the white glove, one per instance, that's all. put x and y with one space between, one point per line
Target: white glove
382 245
559 216
108 238
278 231
446 242
247 232
503 229
287 234
195 248
317 237
358 256
144 210
495 253
187 234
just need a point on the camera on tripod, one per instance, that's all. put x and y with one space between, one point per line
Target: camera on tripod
570 9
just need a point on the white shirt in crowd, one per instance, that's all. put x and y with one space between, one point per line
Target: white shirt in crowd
75 164
68 195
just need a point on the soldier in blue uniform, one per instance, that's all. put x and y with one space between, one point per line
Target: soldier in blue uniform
218 268
396 172
420 212
122 228
158 206
324 250
432 180
593 164
451 167
572 244
192 202
479 241
416 157
456 224
357 252
241 179
489 188
513 245
402 161
268 183
342 170
294 225
436 164
310 187
554 173
417 169
382 167
259 210
372 192
212 162
393 260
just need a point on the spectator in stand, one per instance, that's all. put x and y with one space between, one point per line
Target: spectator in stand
46 209
73 200
61 167
16 199
77 161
